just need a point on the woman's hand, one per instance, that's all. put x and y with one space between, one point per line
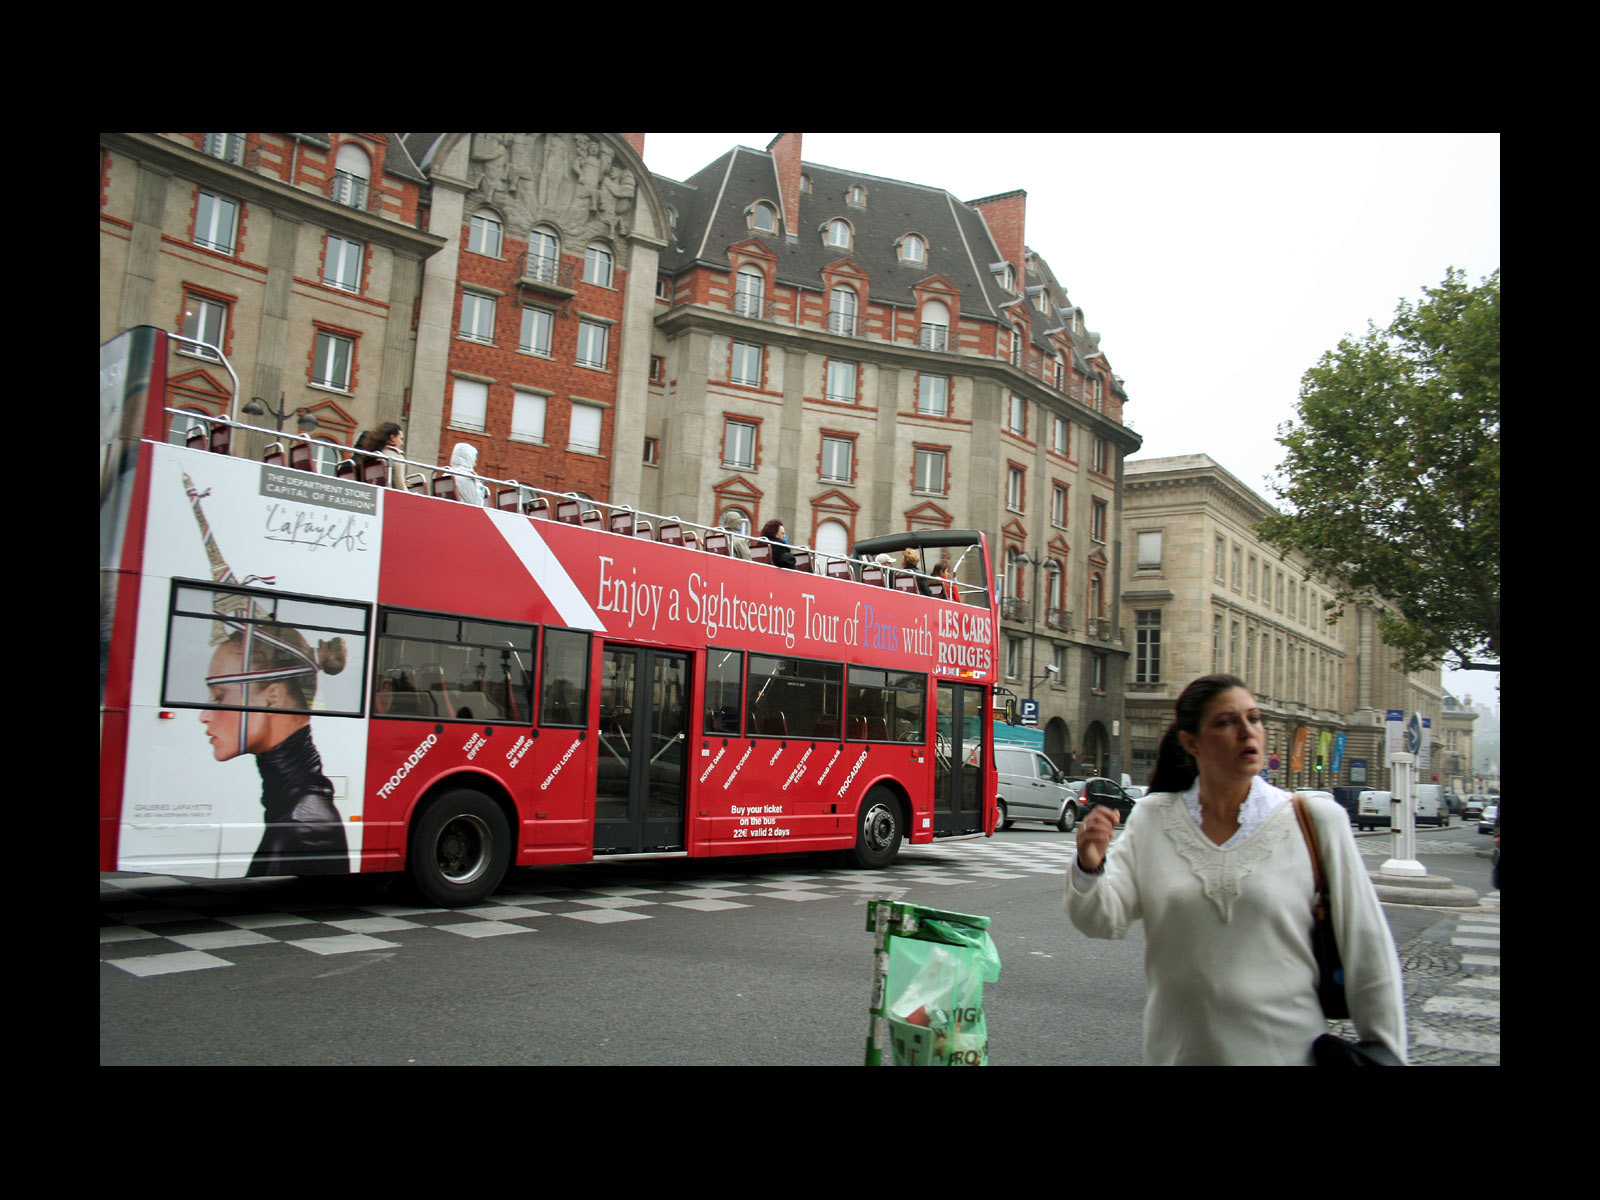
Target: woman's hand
1094 835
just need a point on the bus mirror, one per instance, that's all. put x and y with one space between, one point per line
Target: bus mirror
1012 716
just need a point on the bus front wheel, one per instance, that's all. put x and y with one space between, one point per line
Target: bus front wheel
878 830
460 849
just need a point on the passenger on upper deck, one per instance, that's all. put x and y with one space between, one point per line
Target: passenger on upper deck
388 439
734 525
774 533
912 561
463 465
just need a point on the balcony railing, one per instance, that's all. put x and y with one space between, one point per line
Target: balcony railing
549 270
1015 610
755 307
348 190
934 337
846 325
1059 619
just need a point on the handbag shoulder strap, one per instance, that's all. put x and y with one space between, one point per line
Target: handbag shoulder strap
1309 832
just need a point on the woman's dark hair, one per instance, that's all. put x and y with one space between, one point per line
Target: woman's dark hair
1175 768
769 531
377 439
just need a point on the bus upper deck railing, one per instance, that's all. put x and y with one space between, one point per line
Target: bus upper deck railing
217 435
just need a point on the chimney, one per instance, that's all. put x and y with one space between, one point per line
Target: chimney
636 140
1006 216
785 151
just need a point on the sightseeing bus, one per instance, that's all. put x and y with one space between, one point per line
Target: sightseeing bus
305 673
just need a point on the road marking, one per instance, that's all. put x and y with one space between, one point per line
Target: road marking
1462 1007
1456 1039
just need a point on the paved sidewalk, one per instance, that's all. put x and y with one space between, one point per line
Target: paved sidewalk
1452 986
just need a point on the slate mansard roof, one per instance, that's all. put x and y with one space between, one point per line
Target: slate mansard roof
712 209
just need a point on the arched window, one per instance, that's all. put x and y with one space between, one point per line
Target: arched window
842 312
484 235
1054 584
351 170
597 264
935 333
181 424
544 255
749 288
1016 574
744 518
839 233
1097 588
913 248
1016 346
833 540
764 218
325 455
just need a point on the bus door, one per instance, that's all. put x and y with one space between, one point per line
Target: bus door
643 750
959 757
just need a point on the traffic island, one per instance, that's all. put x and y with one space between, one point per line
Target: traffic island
1430 891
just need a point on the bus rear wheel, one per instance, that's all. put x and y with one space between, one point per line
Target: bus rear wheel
460 849
878 830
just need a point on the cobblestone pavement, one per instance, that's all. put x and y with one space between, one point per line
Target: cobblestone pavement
1452 986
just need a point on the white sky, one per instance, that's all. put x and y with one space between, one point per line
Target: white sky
1217 268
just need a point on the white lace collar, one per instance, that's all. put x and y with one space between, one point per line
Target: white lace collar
1257 807
1223 869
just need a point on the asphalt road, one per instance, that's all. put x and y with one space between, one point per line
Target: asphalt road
731 975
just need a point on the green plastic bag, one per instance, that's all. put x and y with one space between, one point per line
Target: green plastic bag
935 995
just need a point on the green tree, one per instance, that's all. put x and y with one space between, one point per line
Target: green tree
1393 475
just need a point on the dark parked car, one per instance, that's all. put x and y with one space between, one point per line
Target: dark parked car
1347 794
1095 791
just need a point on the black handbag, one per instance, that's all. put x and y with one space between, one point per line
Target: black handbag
1330 968
1330 1050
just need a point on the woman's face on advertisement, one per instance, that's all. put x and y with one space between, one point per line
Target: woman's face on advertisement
223 728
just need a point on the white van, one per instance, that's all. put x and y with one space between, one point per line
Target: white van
1372 809
1431 806
1032 789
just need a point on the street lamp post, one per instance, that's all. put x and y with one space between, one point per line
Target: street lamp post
257 407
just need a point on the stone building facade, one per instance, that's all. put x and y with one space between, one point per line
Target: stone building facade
1203 594
534 329
851 354
299 254
856 355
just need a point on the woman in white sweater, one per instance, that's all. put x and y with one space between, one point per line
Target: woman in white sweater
1215 863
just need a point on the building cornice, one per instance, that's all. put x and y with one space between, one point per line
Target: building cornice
684 317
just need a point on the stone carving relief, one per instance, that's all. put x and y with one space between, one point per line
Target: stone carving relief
570 180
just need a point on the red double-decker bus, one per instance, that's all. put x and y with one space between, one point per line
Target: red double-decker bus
305 674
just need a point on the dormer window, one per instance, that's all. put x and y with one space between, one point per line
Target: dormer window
913 249
857 196
1043 301
229 147
1007 279
352 169
763 217
839 233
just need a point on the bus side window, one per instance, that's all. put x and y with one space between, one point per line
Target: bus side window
724 677
564 693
